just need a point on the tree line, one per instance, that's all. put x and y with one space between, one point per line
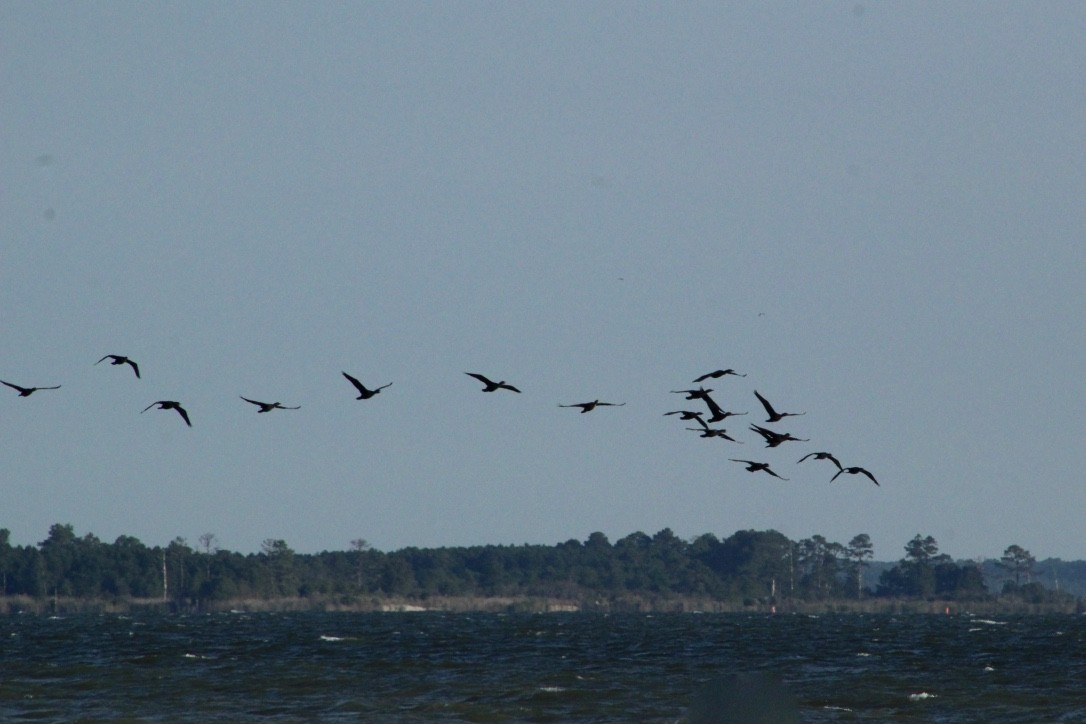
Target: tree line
749 565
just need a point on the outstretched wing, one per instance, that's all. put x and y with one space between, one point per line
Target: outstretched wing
765 403
358 385
183 414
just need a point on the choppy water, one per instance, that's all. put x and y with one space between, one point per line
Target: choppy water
390 667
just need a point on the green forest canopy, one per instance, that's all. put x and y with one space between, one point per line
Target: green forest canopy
747 565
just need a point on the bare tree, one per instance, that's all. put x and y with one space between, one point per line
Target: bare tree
207 540
859 551
359 546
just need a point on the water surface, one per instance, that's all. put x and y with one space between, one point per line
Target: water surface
535 667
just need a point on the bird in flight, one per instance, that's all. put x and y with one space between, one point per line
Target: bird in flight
118 359
491 385
775 416
820 456
713 432
268 406
28 391
170 405
699 394
717 374
717 412
363 393
853 471
688 415
755 467
773 439
590 406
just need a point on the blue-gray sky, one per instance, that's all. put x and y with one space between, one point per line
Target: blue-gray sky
875 210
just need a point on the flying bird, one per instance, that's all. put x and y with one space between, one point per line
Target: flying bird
755 467
773 439
170 405
363 393
699 394
590 406
268 406
491 385
775 416
853 471
717 412
28 391
688 415
820 456
713 432
118 359
717 374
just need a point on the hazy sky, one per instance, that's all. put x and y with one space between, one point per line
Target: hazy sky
875 210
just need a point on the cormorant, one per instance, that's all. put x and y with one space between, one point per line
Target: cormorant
118 359
775 416
28 391
170 405
718 373
590 406
755 467
820 456
269 406
363 393
853 471
491 385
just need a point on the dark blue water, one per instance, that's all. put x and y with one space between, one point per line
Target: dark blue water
385 667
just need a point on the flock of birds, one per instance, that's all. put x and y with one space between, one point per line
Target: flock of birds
713 413
772 438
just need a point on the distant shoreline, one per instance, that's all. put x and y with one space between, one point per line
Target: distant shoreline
528 604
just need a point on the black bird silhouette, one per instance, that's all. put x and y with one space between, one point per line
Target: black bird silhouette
363 393
717 413
853 471
28 391
118 359
699 394
820 456
713 432
269 406
590 406
773 439
755 467
775 416
718 373
170 405
688 415
491 385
